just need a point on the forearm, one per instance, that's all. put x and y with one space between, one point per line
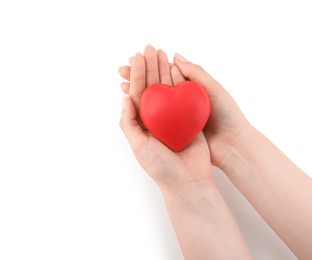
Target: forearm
203 224
276 187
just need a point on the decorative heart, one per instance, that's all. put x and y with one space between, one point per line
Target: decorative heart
175 115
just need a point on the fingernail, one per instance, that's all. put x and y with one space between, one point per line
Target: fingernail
180 58
149 46
124 102
161 52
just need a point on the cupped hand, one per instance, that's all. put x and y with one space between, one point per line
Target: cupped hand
227 126
162 164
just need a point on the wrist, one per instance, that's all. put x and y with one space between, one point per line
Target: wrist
225 146
190 193
239 151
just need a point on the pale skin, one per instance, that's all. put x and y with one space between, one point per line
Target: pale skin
277 188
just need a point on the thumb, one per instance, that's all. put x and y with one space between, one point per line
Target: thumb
196 73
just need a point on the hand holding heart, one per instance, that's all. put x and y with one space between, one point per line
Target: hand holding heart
223 131
165 166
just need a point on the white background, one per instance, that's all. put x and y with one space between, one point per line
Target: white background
70 187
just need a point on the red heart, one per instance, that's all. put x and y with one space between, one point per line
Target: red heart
175 115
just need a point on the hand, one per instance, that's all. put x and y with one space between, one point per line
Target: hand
227 126
163 165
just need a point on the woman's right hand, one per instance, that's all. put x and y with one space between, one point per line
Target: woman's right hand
227 126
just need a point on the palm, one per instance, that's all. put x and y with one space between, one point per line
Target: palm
187 166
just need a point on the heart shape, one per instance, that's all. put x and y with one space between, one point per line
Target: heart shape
175 115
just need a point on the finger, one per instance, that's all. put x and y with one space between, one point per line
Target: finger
124 72
164 68
130 126
196 73
137 79
152 75
176 75
125 87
